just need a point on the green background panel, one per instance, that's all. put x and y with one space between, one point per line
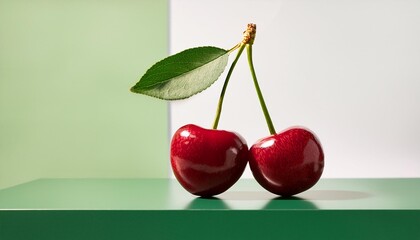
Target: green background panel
65 72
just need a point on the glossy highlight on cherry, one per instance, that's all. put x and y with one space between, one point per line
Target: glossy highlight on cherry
289 162
207 162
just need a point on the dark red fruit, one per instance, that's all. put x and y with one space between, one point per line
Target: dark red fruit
207 162
287 163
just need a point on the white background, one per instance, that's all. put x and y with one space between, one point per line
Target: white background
348 70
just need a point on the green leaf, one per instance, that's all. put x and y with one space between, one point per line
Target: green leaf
184 74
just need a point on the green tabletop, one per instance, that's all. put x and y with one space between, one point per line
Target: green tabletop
162 209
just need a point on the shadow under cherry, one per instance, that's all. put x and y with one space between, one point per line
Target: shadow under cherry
289 203
304 201
212 203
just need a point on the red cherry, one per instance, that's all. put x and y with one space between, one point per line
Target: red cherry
207 162
289 162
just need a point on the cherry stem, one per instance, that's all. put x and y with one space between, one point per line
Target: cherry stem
257 88
225 84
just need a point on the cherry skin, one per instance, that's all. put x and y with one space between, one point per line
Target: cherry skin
207 162
287 163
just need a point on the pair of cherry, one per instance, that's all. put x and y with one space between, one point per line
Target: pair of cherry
207 162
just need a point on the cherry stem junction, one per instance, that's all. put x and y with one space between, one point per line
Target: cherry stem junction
248 40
